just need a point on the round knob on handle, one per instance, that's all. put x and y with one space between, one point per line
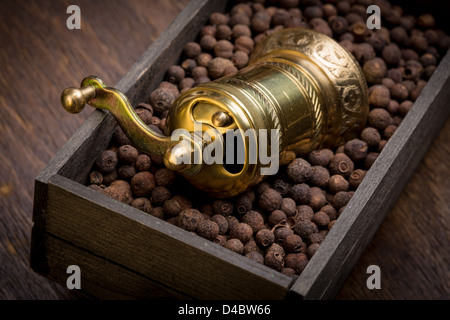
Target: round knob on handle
74 99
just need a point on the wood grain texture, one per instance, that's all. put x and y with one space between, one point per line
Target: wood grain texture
40 57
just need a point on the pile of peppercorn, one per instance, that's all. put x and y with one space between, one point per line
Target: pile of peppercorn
282 221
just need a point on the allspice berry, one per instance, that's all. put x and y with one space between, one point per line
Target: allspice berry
224 49
142 204
189 219
175 74
304 212
391 54
234 245
256 256
241 231
304 228
107 161
208 229
341 164
270 200
318 199
265 238
223 207
379 118
192 49
172 208
300 193
274 259
380 96
312 249
161 99
216 67
96 177
243 204
126 172
341 199
321 219
337 183
222 223
320 157
165 177
143 162
299 171
244 43
374 70
127 154
292 243
160 195
276 217
254 219
143 183
320 176
356 178
296 261
119 190
288 206
356 149
281 232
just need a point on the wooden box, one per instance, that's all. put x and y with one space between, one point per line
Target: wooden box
125 253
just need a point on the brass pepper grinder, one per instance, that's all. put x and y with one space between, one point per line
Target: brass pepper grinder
299 83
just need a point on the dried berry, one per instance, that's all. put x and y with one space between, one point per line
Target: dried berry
175 74
264 238
315 238
379 118
96 177
370 159
189 219
292 243
288 206
276 217
380 97
119 190
296 261
142 204
341 164
241 231
281 232
337 183
404 108
371 136
224 49
388 132
312 249
341 199
160 195
216 67
192 49
208 229
256 256
223 32
356 149
356 178
321 219
300 193
244 43
240 59
254 219
126 172
330 212
234 245
161 99
142 183
374 70
165 177
260 21
391 54
320 176
320 157
274 260
204 59
299 171
144 114
218 18
304 228
304 212
318 199
270 200
222 222
252 246
223 207
107 161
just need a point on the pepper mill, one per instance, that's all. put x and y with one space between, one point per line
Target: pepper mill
300 87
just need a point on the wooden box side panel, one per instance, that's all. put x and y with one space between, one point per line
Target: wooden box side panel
382 185
154 248
99 278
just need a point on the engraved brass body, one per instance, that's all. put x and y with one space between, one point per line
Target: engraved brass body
298 81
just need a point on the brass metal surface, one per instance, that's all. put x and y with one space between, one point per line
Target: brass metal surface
299 82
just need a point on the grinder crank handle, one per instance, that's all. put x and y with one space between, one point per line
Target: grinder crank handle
94 92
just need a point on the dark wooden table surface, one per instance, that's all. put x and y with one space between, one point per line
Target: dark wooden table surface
39 57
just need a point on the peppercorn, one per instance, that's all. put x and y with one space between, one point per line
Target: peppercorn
370 159
264 238
321 219
281 186
119 190
223 32
126 172
203 60
223 207
165 177
320 176
188 65
279 17
399 92
244 43
359 30
275 247
107 161
145 114
232 221
234 245
371 136
281 232
374 70
160 195
304 228
240 59
186 83
363 52
296 261
221 239
142 183
274 260
380 97
218 18
341 164
318 199
199 72
192 49
320 25
404 107
175 74
252 246
304 212
254 219
299 171
419 43
142 204
329 211
337 183
241 231
356 178
96 177
110 177
288 206
161 99
379 118
208 229
276 217
356 149
190 219
209 30
270 200
395 75
292 243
